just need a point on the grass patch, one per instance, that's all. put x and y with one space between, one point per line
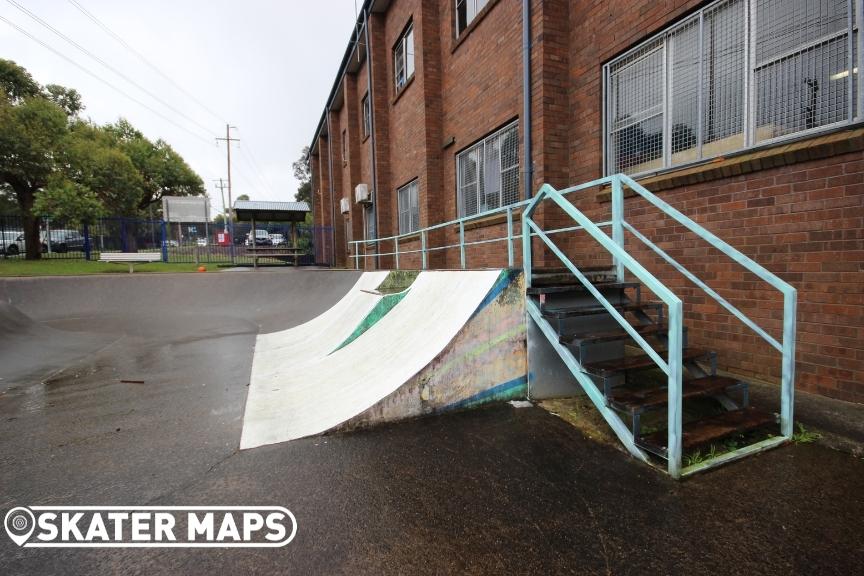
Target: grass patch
398 281
804 436
74 267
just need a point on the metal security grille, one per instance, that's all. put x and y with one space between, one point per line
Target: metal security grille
735 74
488 172
409 207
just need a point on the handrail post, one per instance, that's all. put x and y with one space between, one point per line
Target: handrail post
396 241
526 249
674 390
787 385
462 243
423 247
618 223
510 237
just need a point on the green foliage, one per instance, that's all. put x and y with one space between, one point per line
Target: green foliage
243 197
303 173
804 436
68 201
397 281
16 82
68 99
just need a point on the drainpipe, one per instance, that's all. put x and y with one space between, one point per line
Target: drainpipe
375 190
330 185
526 95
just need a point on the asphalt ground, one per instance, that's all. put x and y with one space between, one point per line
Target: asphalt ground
492 491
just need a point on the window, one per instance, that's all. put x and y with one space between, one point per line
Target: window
487 173
403 57
466 11
409 208
710 85
367 116
344 146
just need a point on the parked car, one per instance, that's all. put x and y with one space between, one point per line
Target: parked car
262 238
278 240
202 242
8 239
61 241
170 243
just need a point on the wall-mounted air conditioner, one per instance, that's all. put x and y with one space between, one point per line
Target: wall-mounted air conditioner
344 205
362 194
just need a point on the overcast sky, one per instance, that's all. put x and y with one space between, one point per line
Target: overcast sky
264 66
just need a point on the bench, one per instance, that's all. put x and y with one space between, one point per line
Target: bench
284 253
130 258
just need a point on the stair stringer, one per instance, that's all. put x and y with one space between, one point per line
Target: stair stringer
618 426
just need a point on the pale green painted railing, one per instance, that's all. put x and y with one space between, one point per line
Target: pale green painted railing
672 365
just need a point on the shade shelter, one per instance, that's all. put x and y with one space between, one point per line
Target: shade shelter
255 211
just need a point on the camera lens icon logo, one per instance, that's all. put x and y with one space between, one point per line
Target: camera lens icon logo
19 523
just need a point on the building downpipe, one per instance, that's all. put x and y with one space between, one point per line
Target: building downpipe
375 190
526 95
330 185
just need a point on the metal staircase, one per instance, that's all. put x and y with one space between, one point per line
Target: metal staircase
630 356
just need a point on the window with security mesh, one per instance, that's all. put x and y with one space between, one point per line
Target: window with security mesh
487 173
733 75
408 201
403 57
367 116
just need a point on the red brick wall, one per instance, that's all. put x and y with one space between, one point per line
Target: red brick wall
803 222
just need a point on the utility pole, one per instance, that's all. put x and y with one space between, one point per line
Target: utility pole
221 186
228 141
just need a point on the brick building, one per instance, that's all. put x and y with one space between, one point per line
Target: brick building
742 114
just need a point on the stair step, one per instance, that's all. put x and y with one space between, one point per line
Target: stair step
536 290
572 311
714 428
638 401
636 362
565 270
612 335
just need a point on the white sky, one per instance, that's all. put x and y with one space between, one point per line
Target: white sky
265 66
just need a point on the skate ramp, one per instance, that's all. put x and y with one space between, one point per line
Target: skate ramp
373 378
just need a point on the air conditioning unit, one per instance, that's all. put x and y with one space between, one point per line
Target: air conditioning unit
362 194
344 205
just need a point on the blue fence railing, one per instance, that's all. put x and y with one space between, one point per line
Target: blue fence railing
204 242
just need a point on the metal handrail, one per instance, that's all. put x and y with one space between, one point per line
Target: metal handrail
790 296
422 233
672 366
622 260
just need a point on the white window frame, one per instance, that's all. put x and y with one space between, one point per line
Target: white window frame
404 52
366 110
408 205
472 9
479 147
855 103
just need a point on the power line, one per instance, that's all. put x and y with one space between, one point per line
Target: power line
141 57
100 79
250 159
105 64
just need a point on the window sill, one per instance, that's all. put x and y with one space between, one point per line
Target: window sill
402 90
493 220
457 40
841 141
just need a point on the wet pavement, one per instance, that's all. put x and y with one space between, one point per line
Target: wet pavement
499 490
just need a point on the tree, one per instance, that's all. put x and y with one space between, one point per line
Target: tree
243 197
68 99
303 174
69 201
32 129
164 172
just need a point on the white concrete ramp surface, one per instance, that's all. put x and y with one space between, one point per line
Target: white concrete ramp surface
300 388
277 352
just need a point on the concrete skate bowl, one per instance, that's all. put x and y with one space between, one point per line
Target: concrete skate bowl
140 324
